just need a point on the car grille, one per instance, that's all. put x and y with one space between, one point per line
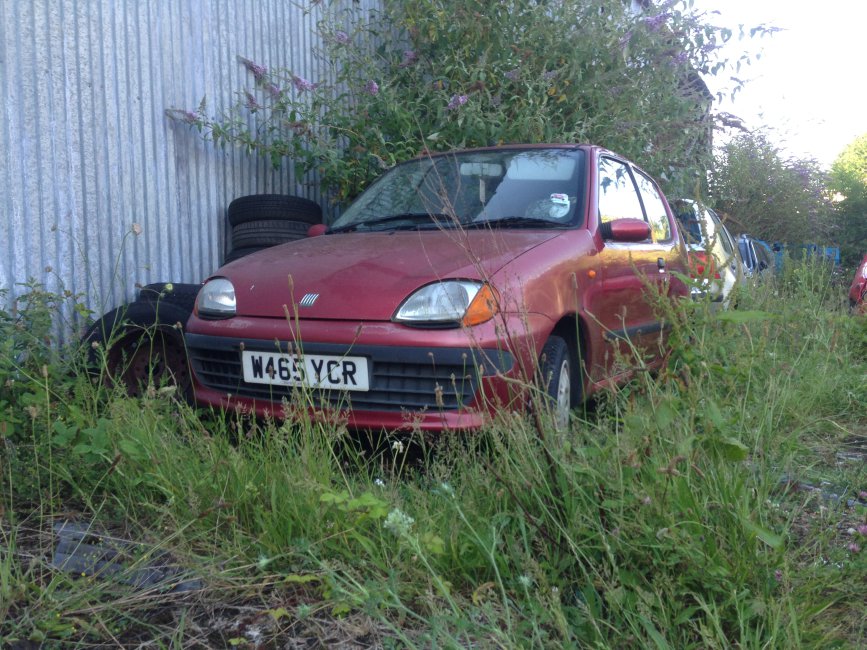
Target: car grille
395 384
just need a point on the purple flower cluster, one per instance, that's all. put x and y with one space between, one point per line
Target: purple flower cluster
512 75
624 40
183 115
549 75
803 173
680 58
302 84
456 102
409 58
251 103
653 23
273 90
341 37
371 88
258 71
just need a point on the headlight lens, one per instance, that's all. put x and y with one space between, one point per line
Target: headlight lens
452 302
216 299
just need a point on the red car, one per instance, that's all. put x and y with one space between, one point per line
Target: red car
858 290
446 291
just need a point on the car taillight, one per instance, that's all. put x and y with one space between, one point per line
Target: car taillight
701 266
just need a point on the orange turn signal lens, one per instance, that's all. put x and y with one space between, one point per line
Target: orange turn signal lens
484 307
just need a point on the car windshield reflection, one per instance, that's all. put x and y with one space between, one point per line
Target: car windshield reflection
506 188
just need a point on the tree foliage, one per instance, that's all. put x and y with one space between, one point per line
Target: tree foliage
769 195
423 75
849 181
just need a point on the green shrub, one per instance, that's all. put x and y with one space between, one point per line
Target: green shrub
431 76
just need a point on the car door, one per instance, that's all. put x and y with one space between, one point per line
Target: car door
632 272
667 248
724 251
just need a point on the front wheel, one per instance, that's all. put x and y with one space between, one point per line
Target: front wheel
559 383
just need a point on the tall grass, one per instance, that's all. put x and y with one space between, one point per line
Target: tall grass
672 515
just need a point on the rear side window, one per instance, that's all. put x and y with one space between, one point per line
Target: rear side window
618 198
660 227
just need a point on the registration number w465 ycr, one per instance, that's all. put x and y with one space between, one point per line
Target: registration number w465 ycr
309 370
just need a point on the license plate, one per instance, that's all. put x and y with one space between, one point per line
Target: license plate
309 370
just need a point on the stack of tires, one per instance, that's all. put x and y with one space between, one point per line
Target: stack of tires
141 344
262 220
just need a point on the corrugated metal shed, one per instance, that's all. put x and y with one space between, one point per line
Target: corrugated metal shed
86 149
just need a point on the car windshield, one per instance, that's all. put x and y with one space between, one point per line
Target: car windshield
509 188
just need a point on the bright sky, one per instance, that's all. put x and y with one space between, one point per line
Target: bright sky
810 84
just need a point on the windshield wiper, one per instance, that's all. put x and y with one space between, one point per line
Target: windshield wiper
514 222
416 219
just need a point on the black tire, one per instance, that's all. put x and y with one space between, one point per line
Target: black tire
141 344
238 253
264 207
170 293
269 232
560 385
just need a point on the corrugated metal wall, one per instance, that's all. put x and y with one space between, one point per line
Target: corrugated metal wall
86 149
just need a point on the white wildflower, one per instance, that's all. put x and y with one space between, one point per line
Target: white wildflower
446 489
398 523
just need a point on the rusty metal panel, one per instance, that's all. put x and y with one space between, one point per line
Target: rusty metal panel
88 157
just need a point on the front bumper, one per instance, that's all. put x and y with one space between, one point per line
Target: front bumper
427 379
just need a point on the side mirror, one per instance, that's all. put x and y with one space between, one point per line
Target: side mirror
625 230
316 229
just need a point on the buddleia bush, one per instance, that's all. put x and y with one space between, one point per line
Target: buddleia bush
419 75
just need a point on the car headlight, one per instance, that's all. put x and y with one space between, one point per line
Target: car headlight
449 303
216 299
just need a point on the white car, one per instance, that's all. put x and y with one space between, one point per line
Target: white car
714 260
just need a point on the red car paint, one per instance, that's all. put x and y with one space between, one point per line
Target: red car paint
335 296
858 290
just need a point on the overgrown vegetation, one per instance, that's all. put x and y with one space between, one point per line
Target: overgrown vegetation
770 195
678 513
420 75
849 182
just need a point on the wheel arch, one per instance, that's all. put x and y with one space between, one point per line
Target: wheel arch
573 329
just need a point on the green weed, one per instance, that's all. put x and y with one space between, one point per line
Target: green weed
680 512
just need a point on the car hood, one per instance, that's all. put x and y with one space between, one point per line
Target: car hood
365 276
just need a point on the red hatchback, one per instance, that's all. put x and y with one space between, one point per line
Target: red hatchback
446 291
858 290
